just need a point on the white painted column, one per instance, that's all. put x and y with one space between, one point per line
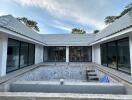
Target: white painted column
3 55
96 56
38 54
67 53
130 46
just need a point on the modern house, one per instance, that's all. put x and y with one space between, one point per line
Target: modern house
20 46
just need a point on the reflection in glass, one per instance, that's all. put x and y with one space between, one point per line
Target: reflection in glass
31 54
12 55
56 54
24 54
19 54
123 55
112 55
104 54
116 55
80 54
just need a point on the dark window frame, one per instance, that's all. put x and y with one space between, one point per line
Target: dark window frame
33 53
20 55
89 47
54 60
27 54
117 56
18 59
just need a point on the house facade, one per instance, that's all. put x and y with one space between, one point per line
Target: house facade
21 47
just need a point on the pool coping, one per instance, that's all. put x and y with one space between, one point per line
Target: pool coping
61 96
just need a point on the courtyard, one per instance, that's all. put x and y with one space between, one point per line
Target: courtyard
64 50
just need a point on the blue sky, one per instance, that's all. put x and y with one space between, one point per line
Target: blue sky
60 16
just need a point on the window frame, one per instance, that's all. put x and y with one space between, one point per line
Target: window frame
117 56
20 42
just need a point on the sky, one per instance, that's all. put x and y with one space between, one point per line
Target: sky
61 16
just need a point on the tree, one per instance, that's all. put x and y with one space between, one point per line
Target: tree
95 31
127 9
29 23
78 31
111 19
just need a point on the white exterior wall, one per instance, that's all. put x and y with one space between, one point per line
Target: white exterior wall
96 57
3 55
67 53
130 44
38 54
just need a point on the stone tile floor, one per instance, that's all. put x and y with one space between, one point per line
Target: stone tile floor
75 72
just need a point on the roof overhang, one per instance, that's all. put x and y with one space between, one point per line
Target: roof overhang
128 30
16 35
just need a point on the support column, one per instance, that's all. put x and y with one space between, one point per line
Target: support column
3 55
38 54
96 56
67 53
130 46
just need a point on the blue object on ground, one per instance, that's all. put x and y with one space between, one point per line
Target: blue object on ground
105 79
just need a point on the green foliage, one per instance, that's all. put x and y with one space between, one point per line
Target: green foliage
78 31
127 9
29 23
96 31
111 19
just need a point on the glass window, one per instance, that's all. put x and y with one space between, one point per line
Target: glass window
104 54
31 54
116 55
13 55
45 54
56 54
24 54
124 55
19 54
80 54
112 55
88 53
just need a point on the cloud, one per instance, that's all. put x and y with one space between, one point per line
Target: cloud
2 13
84 12
62 27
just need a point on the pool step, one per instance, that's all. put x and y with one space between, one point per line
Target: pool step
94 78
91 70
91 75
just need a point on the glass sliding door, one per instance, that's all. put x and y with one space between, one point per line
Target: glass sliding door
80 54
123 55
13 55
31 54
19 55
23 54
56 54
116 55
104 54
88 54
112 55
